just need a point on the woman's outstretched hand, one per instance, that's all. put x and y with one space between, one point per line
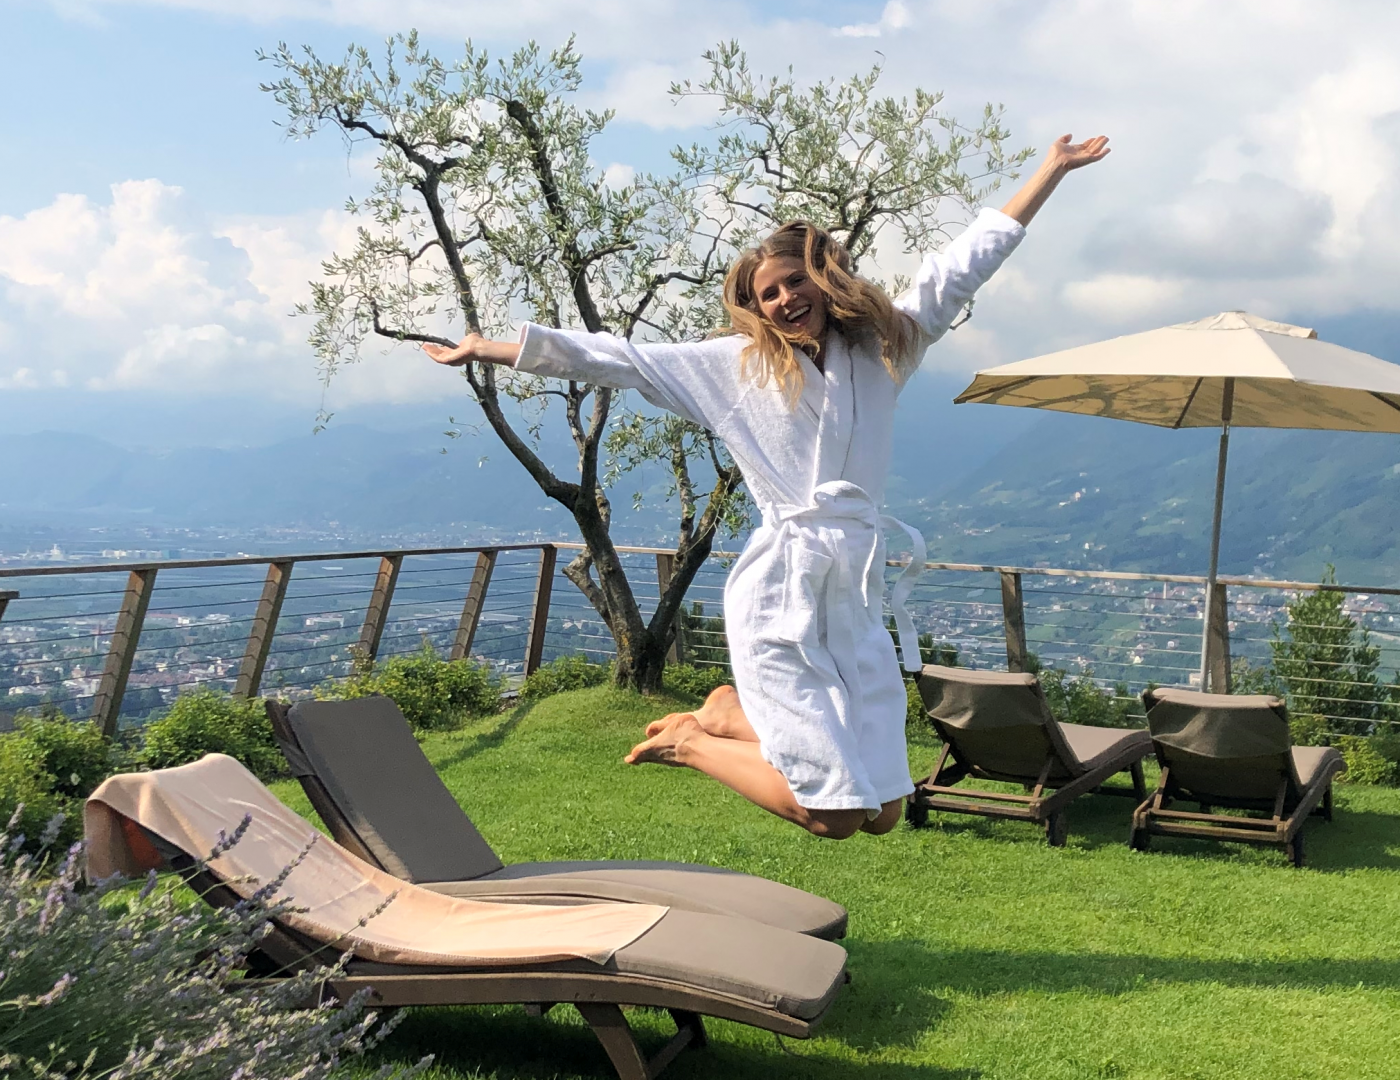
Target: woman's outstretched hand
1062 157
1066 155
474 347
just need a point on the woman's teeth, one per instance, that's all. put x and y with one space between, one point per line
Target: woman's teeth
799 314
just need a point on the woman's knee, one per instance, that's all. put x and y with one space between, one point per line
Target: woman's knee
833 824
889 817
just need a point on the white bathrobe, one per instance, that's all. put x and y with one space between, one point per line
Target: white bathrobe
813 663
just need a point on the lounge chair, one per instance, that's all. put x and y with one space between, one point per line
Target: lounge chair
996 725
381 798
424 948
1232 750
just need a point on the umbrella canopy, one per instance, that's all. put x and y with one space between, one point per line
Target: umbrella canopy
1230 369
1284 377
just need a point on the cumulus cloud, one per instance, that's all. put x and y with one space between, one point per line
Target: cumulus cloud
1254 227
1256 164
144 292
895 17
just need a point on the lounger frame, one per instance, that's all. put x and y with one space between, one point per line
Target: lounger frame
1154 817
1040 804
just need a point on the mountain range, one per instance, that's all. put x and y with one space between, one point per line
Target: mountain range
987 484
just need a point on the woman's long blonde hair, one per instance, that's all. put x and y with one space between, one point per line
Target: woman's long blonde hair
853 306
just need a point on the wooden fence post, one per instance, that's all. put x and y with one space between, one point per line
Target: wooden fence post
665 570
269 609
539 615
1218 642
471 610
1013 611
126 635
377 614
6 595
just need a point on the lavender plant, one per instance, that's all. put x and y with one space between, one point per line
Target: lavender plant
116 981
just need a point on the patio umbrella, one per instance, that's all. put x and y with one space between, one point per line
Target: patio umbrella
1232 369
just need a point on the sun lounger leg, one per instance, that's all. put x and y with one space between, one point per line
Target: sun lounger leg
610 1026
613 1031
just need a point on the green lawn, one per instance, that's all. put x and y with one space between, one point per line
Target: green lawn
976 951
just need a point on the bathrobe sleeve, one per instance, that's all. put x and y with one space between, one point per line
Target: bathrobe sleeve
697 380
948 279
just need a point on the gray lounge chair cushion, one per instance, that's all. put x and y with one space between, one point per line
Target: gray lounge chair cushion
698 888
1312 762
365 756
1095 746
776 969
1000 723
363 752
1232 746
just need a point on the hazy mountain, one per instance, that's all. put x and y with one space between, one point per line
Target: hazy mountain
987 483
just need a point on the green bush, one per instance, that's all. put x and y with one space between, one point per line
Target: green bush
566 673
1080 700
431 692
49 765
1365 764
691 681
111 982
206 721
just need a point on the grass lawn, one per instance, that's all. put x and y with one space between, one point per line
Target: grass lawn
976 951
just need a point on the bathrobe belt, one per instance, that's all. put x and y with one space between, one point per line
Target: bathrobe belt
833 503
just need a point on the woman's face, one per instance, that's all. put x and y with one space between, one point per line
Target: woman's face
788 298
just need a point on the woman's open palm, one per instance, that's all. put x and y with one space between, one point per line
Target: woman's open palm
1068 155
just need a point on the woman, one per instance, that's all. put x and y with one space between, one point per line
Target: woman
803 394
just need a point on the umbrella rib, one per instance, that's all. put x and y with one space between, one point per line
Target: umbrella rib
966 398
1187 407
1383 398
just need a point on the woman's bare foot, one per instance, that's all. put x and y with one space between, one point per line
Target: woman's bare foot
720 716
667 745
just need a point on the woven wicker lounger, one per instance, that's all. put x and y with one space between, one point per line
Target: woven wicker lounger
381 798
996 725
1232 750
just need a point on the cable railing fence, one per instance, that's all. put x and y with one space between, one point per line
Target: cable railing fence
119 641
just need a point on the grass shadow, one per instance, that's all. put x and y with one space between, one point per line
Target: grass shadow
495 730
901 964
501 1042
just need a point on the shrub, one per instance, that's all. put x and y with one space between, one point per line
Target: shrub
49 765
566 673
206 721
692 681
1080 700
1365 764
431 692
109 982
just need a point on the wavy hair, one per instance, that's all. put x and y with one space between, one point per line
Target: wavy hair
854 307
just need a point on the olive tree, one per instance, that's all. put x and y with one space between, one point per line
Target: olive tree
487 207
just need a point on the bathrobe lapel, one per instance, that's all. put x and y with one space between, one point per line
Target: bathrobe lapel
837 422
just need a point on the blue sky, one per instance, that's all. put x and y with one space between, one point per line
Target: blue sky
156 227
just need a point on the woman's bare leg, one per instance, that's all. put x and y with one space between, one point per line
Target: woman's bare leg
721 716
738 765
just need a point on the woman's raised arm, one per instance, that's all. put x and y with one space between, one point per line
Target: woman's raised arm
1062 157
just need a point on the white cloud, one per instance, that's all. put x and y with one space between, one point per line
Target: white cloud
1256 163
617 176
144 292
895 17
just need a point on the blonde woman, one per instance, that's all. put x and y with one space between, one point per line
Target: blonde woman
803 394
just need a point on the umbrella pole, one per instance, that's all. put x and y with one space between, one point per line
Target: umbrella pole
1227 408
